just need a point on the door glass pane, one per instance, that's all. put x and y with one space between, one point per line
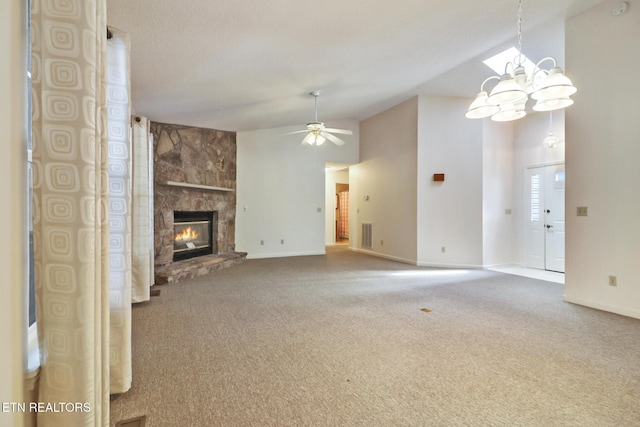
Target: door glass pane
535 198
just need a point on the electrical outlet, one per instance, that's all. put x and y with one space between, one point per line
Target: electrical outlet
613 281
582 211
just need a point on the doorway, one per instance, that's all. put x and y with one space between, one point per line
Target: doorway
337 219
342 214
545 221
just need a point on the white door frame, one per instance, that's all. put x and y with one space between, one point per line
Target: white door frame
526 216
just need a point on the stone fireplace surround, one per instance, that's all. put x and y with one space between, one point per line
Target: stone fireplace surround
194 170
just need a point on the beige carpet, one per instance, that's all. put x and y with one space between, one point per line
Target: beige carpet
342 340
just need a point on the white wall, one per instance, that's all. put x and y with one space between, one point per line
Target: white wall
13 258
499 210
386 175
332 178
485 163
281 190
449 212
602 159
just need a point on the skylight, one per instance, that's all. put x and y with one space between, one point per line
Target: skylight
497 62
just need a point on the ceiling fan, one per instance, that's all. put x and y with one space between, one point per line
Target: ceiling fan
317 133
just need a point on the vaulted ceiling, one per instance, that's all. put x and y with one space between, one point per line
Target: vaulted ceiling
250 64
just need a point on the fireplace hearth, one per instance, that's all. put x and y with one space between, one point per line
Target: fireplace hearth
194 234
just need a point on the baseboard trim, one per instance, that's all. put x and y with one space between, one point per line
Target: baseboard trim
604 307
505 265
373 253
444 265
284 254
378 254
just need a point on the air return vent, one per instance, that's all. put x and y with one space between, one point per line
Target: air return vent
133 422
367 238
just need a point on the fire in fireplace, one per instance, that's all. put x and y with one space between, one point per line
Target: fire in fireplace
193 234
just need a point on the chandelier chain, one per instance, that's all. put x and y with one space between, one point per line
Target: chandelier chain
520 31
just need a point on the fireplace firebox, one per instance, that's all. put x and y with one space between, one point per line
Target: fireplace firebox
194 234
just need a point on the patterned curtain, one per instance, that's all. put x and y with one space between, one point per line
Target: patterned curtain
120 188
343 220
71 207
142 210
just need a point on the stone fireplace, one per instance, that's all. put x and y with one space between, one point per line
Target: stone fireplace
194 181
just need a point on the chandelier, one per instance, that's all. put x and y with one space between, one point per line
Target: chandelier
551 140
550 88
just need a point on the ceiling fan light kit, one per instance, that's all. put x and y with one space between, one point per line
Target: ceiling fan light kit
551 89
317 133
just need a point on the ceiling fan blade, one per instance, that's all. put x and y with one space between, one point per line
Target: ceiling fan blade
342 131
332 138
298 131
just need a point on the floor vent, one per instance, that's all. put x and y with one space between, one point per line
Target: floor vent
132 422
367 238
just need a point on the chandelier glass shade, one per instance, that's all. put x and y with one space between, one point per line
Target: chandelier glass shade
509 90
480 108
552 104
551 140
509 112
550 88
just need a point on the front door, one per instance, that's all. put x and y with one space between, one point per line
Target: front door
545 218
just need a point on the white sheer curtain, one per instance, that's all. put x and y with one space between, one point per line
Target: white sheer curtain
83 310
120 195
142 209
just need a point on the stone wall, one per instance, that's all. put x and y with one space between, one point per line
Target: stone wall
194 156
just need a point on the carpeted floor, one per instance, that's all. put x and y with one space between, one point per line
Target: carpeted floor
342 340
